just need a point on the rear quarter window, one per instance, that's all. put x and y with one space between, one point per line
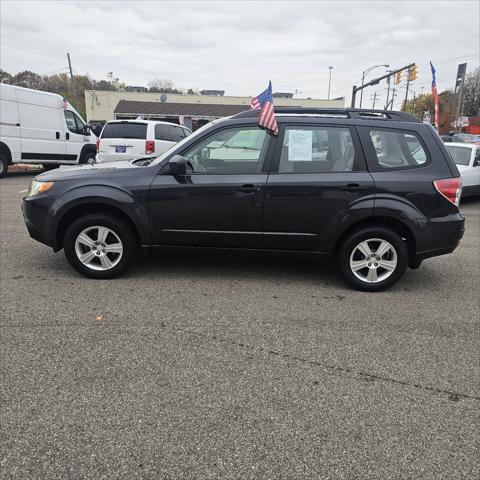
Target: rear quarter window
396 149
125 130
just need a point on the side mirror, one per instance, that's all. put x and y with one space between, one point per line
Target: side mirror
177 165
86 130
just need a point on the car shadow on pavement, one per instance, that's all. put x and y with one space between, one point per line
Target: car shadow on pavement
204 263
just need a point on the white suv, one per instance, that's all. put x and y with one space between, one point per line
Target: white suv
132 139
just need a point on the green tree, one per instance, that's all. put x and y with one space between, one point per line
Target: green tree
5 77
28 79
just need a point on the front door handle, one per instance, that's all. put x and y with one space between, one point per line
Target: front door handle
353 187
248 188
67 136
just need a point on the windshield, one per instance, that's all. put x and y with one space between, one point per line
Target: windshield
460 155
180 144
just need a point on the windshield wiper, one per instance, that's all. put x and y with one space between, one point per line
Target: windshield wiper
144 161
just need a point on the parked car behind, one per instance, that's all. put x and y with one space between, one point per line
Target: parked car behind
452 138
467 158
41 127
133 139
470 138
378 191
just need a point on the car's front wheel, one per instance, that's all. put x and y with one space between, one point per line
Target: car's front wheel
373 258
100 246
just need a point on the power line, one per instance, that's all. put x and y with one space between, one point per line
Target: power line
458 58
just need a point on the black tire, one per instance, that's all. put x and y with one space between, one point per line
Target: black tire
116 225
50 166
3 165
88 157
374 232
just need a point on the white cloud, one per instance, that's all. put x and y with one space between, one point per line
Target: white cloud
238 46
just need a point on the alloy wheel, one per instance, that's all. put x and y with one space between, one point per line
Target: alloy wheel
98 248
373 260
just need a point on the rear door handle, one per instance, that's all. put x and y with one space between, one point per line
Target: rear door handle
353 187
249 188
57 135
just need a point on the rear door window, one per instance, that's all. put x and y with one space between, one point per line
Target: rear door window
176 134
396 149
125 130
322 149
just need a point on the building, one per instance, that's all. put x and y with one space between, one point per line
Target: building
282 95
192 110
213 93
135 88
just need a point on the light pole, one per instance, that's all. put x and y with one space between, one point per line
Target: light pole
364 74
329 81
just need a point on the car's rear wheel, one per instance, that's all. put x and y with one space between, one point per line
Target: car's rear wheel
100 246
373 258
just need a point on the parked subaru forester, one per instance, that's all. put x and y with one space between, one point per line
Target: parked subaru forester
376 189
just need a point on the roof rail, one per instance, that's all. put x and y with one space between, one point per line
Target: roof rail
359 113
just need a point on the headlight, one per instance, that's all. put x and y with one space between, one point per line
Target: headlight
38 187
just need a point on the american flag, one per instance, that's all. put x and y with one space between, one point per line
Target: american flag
267 115
435 96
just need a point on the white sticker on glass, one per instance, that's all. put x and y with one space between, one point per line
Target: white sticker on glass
300 145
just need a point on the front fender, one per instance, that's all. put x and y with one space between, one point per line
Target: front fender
108 195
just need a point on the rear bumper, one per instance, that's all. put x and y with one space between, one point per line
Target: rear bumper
442 236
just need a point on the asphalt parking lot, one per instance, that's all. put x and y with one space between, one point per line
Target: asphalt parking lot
201 364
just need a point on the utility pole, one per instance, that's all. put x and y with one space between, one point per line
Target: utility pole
71 76
329 81
413 104
374 100
394 90
388 91
406 92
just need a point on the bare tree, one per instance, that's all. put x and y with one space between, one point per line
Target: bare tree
471 106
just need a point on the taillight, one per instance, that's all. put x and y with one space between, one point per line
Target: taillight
149 147
450 188
98 145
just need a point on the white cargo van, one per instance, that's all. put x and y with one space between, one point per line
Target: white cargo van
41 127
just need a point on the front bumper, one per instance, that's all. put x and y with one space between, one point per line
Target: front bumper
35 214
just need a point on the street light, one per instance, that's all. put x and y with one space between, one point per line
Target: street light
364 74
329 81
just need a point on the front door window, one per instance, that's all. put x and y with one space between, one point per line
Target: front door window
233 151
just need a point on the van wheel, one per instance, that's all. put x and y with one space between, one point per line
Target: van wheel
100 246
50 166
373 259
3 165
89 157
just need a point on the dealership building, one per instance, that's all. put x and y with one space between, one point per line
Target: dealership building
191 110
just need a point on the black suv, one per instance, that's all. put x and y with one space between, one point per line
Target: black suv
377 189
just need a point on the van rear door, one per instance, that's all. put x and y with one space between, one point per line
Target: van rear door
41 126
122 140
